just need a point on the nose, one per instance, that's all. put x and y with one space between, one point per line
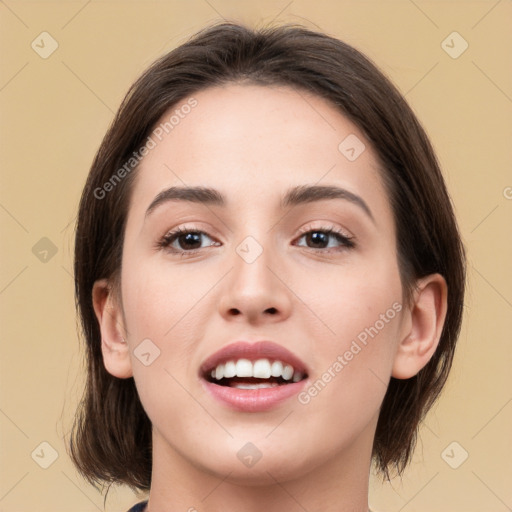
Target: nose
255 292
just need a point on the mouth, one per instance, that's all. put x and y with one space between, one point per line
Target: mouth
253 376
244 374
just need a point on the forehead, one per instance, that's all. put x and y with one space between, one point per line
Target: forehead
256 141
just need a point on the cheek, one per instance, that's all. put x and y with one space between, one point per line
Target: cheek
348 299
351 376
360 311
161 310
161 306
156 298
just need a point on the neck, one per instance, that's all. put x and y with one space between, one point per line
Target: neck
339 484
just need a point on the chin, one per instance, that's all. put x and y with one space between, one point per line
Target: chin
252 466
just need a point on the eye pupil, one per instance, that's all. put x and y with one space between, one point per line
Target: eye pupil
317 237
190 239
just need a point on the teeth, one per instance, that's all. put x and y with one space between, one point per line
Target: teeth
256 386
261 369
287 372
243 368
277 369
229 369
219 372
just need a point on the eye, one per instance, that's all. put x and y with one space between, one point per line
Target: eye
325 238
185 240
189 241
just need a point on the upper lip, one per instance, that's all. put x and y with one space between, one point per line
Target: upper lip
253 352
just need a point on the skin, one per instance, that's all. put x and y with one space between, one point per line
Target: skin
252 143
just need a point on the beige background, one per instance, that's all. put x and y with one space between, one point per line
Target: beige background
54 114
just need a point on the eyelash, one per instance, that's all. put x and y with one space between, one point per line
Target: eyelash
346 242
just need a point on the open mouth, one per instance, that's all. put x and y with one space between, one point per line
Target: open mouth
259 374
253 377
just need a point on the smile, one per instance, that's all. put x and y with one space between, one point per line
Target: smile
253 377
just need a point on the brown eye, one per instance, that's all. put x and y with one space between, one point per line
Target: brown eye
325 239
189 241
317 239
182 240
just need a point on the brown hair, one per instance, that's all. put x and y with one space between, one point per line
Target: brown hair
111 435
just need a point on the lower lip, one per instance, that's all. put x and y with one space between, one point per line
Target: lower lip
253 400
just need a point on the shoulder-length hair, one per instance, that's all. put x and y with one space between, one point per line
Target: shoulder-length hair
111 434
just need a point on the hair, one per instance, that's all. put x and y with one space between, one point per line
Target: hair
111 435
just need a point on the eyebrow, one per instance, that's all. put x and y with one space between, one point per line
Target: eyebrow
296 195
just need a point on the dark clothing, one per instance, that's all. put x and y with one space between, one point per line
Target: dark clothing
139 507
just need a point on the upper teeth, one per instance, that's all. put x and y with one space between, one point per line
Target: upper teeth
262 369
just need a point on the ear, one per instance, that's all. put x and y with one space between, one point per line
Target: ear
423 327
114 347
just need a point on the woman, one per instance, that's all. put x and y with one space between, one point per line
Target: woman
269 275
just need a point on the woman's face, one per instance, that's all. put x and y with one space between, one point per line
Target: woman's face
261 266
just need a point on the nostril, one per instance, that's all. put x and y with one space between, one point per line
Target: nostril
235 311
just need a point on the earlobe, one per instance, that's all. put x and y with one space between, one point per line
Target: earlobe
115 349
427 315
